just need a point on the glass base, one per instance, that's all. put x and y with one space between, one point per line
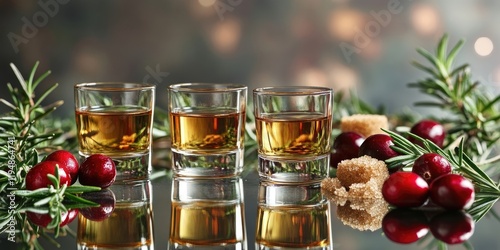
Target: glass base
86 247
265 247
294 170
233 246
187 164
135 167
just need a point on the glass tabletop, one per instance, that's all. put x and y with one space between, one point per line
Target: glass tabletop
247 214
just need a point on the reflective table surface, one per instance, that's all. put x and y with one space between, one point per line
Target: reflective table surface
243 211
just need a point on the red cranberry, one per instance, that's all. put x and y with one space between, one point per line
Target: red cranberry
97 170
66 160
430 166
452 191
72 214
428 129
106 200
405 189
348 143
452 227
405 226
336 158
378 146
43 220
37 176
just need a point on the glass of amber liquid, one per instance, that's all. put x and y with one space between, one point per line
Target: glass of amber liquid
293 126
207 214
128 227
292 217
116 119
207 124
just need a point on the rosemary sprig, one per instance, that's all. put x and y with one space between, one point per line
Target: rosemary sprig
27 132
474 114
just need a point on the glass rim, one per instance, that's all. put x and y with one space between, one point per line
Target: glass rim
114 86
206 87
293 90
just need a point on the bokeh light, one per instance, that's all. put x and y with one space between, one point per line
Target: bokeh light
483 46
425 19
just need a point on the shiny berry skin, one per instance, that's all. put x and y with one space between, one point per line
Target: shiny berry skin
72 214
405 226
430 166
43 220
405 189
97 170
347 144
378 146
428 129
336 158
37 176
452 227
67 160
452 191
106 200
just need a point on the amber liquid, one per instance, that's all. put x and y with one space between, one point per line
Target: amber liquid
114 131
207 223
293 135
207 131
130 225
299 226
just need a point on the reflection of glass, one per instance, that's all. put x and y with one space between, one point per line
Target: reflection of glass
130 226
293 126
292 217
115 119
207 214
207 124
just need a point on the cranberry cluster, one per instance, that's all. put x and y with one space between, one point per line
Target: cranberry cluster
97 170
430 178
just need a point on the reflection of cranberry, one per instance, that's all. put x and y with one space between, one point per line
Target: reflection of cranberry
106 200
430 166
72 214
405 226
405 189
428 129
452 191
452 227
43 220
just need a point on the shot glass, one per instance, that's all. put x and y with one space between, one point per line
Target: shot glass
128 226
116 119
293 126
207 214
292 216
207 124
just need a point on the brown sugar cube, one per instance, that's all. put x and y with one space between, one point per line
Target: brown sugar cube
364 124
361 170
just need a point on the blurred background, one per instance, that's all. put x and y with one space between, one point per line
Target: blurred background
364 46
